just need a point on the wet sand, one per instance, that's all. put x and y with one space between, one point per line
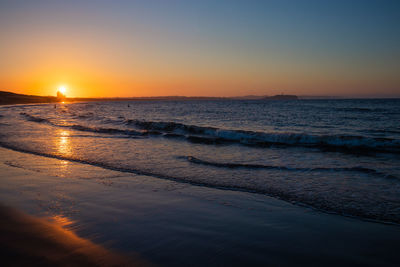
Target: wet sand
174 224
30 241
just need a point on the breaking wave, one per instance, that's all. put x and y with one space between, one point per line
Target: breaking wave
34 118
213 135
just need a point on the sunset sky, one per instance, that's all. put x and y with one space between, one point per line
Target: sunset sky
200 48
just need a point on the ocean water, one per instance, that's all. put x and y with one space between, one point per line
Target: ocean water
339 156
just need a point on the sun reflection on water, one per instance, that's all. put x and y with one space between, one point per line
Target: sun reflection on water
63 143
63 146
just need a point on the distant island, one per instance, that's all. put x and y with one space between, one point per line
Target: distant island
282 97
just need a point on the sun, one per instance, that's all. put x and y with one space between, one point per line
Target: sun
62 89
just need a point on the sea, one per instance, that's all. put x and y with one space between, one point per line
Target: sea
337 156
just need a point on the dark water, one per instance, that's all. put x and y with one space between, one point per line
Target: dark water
340 156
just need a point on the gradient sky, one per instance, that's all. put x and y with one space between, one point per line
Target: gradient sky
200 48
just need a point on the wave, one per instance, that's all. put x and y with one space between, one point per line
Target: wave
87 115
383 131
356 109
285 168
213 135
104 130
34 118
87 128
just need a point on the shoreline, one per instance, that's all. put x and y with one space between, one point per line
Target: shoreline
176 224
219 187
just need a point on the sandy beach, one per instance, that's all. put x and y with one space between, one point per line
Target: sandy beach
174 224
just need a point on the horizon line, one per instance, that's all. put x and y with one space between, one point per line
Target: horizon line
356 96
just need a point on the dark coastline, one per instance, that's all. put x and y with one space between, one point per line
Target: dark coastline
8 98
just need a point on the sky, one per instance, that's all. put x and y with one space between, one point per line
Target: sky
201 48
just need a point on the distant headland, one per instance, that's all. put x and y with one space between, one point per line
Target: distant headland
8 98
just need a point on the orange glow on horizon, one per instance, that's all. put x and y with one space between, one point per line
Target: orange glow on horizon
145 85
88 76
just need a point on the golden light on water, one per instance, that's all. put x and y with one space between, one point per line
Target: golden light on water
62 143
62 221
